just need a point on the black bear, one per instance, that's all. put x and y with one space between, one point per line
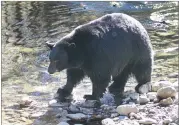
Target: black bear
114 45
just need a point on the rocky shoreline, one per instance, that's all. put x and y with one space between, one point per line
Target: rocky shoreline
158 107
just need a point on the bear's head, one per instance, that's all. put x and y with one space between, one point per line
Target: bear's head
61 56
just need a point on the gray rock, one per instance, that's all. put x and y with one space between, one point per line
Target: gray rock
77 116
88 111
63 123
156 86
128 122
143 99
151 95
147 121
126 109
36 115
135 116
107 121
166 102
74 108
122 118
134 97
166 92
167 121
62 113
114 115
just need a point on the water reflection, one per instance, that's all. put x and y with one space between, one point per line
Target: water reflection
40 21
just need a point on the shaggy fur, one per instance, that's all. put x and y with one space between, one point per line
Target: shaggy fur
114 45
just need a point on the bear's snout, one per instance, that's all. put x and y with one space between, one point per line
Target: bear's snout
52 68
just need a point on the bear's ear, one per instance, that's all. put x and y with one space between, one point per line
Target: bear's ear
50 45
72 45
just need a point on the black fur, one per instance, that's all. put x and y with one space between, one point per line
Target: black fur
114 45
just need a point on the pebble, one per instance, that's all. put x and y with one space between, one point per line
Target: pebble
126 109
166 92
151 95
107 121
25 102
156 86
167 121
156 100
77 116
63 123
143 99
147 121
166 102
134 115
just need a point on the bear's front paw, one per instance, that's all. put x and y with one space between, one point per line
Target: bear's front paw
89 97
63 95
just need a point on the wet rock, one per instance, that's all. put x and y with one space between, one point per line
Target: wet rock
134 115
88 111
128 122
166 92
36 115
54 103
156 86
74 108
62 113
151 95
126 100
122 117
166 102
63 123
143 99
25 102
147 121
145 88
107 121
156 100
126 109
77 117
167 121
134 97
114 115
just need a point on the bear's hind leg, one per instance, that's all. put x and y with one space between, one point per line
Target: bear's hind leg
119 82
142 72
117 87
74 76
